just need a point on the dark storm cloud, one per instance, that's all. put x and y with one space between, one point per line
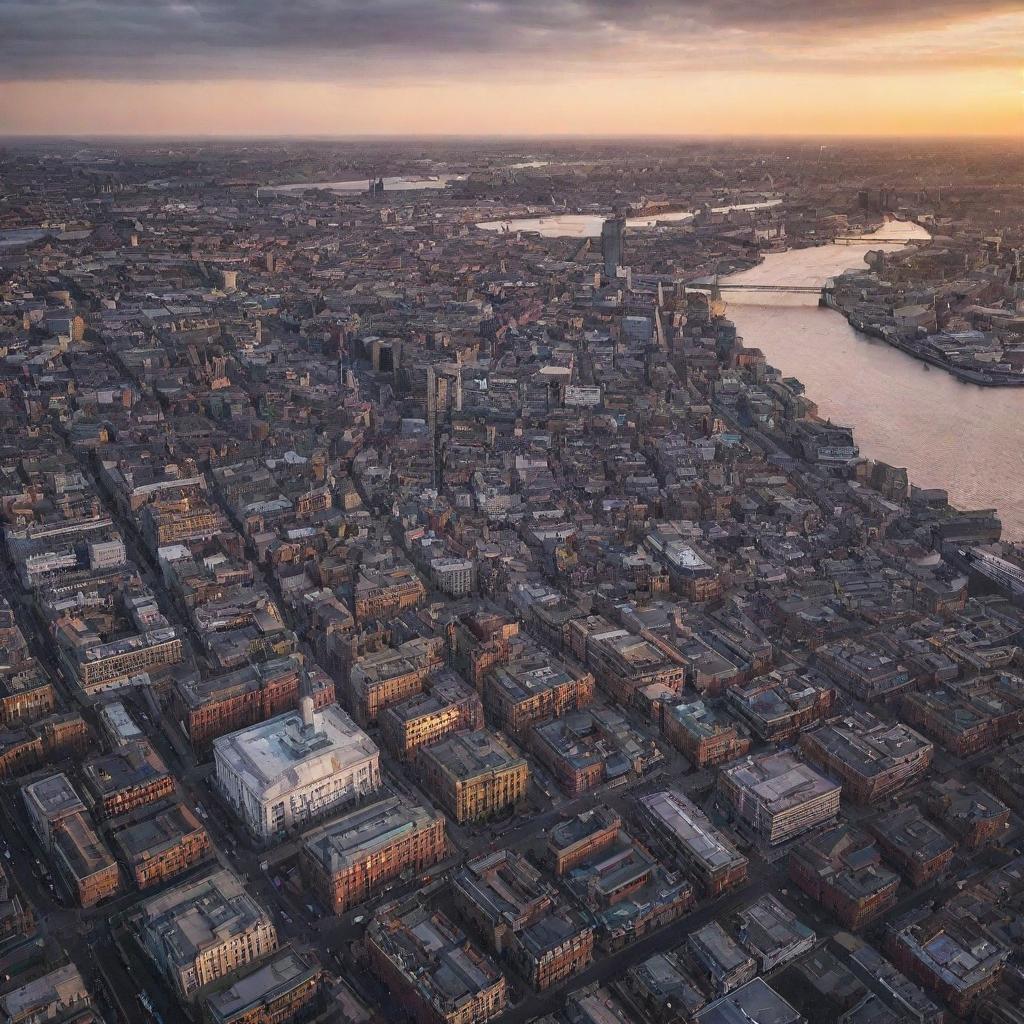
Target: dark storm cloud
153 39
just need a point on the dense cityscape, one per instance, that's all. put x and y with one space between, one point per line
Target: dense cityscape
421 603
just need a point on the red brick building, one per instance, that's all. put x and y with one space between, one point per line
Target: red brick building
921 850
842 869
214 707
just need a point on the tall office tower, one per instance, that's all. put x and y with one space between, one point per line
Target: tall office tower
611 245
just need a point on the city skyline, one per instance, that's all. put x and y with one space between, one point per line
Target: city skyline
426 67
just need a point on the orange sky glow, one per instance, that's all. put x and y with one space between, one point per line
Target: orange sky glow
959 76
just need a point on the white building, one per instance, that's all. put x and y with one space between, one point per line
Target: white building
296 767
454 576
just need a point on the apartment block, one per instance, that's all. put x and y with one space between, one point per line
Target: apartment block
383 593
531 688
873 758
83 861
920 850
970 812
384 678
158 843
777 706
208 708
582 837
685 833
474 775
953 955
203 930
777 796
353 857
523 917
841 868
970 716
284 989
450 705
431 968
704 734
131 776
584 749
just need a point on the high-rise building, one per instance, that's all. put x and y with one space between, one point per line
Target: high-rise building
612 231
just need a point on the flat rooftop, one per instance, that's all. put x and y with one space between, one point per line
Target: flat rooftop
350 839
281 754
779 780
466 754
683 821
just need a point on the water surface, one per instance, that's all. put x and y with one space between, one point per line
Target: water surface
965 438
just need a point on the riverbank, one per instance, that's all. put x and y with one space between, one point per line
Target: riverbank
978 377
948 434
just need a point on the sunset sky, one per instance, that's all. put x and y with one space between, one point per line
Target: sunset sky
512 67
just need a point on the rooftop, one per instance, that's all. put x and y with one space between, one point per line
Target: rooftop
281 754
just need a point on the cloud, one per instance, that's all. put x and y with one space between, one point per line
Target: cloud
339 39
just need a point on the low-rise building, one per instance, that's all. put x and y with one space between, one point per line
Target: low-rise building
203 930
920 850
724 962
772 934
474 775
293 769
83 861
284 989
910 1002
131 776
687 835
157 843
449 706
778 797
662 988
953 955
351 858
118 726
873 758
60 995
754 1003
16 918
972 813
842 869
582 837
777 706
705 735
431 967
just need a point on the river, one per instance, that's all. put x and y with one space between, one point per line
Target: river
967 439
588 225
394 184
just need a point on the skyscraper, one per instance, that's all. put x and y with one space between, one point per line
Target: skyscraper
611 245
